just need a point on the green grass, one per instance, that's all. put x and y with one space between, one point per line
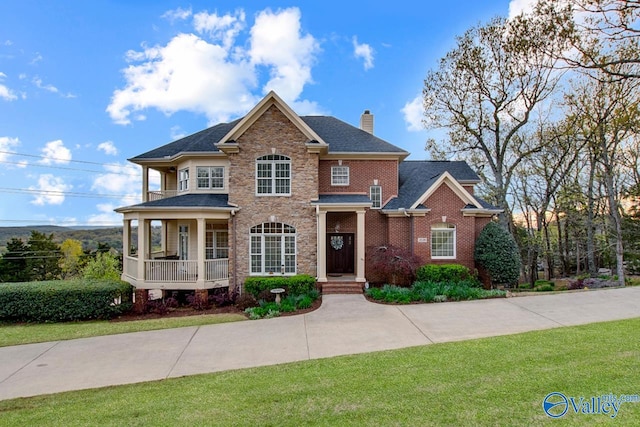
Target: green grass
11 334
493 381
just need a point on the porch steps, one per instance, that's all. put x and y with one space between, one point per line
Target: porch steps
342 288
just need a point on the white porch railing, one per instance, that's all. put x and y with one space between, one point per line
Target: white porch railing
131 266
171 270
158 194
216 269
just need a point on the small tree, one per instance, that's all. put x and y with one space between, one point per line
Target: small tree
103 266
393 265
497 252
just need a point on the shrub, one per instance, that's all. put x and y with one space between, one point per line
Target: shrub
451 273
294 285
497 252
427 291
392 264
196 302
64 300
304 302
245 301
103 266
545 288
221 297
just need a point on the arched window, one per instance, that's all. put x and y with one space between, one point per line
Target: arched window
273 248
273 175
443 241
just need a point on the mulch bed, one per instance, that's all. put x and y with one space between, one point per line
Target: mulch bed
188 311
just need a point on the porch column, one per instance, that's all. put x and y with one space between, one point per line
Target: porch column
202 228
126 238
322 246
360 248
142 247
145 184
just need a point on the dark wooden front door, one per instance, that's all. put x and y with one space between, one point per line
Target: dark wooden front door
340 255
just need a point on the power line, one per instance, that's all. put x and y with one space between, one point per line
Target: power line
70 169
65 193
13 153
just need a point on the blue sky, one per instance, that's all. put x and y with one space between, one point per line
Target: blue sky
85 85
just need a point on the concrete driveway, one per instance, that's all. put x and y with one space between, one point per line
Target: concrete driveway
344 324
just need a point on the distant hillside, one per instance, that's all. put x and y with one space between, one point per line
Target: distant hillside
90 238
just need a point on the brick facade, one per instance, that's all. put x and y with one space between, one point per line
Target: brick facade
273 133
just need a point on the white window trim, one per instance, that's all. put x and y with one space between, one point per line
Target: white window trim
283 254
183 180
273 162
209 178
214 241
453 231
334 175
373 204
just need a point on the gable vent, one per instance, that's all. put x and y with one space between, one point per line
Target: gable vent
366 122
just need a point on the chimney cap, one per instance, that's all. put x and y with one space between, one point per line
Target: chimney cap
367 112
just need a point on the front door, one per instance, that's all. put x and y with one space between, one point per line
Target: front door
340 255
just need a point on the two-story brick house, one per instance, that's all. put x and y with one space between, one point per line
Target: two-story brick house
278 193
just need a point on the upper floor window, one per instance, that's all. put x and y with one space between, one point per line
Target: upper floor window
273 175
375 193
183 179
340 175
210 177
443 241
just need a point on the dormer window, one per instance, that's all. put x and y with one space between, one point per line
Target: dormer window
210 177
273 175
183 180
340 175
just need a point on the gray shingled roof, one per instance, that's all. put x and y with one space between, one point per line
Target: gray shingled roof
345 138
415 178
341 199
340 136
190 201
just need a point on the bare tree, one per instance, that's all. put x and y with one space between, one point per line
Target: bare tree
485 91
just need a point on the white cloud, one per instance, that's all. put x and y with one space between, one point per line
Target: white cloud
413 112
277 42
364 51
176 132
6 93
220 28
108 148
54 152
178 14
217 76
106 216
7 144
52 190
516 7
37 81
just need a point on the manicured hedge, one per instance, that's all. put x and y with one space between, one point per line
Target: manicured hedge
294 285
449 273
63 300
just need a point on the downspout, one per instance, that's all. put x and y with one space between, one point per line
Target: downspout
235 249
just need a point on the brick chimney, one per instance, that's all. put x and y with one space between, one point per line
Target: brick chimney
366 122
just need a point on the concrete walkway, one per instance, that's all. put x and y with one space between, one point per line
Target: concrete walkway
344 324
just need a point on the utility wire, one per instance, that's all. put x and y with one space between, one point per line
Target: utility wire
70 169
13 153
65 193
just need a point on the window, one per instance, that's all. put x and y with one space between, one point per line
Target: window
273 175
183 242
210 177
340 175
443 241
183 179
273 248
217 243
375 193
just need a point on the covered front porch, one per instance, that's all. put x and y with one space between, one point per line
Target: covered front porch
192 251
341 237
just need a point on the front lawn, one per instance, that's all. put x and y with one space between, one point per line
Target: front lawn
15 334
492 381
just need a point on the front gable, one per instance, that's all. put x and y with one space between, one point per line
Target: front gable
229 142
448 180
